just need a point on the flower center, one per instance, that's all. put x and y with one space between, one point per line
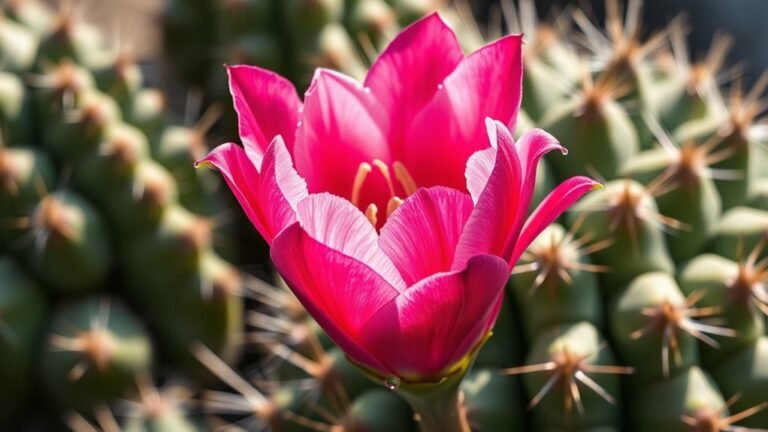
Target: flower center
401 175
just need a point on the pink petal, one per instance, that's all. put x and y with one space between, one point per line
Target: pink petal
269 198
340 292
336 223
406 75
534 144
450 128
494 180
434 324
553 205
420 237
343 126
267 105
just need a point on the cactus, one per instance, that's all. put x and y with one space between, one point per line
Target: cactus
630 312
79 187
642 309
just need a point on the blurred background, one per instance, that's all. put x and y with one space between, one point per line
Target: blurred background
135 296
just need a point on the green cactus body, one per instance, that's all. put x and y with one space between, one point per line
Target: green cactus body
307 17
502 349
75 41
60 88
627 214
542 88
15 111
741 230
690 196
745 374
32 14
80 132
147 111
23 173
192 283
17 46
121 79
379 411
96 349
665 405
650 326
70 248
177 149
575 350
374 19
547 296
23 309
731 288
597 132
492 400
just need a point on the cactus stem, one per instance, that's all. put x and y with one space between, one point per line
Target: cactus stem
96 344
670 319
709 420
558 257
568 370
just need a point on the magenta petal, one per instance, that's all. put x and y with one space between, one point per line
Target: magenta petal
406 75
269 198
267 105
432 325
339 225
488 83
534 144
420 237
494 179
342 127
340 292
553 205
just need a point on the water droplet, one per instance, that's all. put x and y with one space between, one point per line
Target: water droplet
298 125
392 382
440 86
367 89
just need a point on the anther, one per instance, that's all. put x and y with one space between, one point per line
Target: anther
362 172
393 205
385 172
404 177
370 213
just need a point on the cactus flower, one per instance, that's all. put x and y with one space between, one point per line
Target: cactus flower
393 208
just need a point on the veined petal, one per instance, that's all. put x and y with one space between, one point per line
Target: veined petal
421 236
336 223
406 74
435 323
494 178
269 198
553 205
488 83
267 105
340 292
342 127
534 144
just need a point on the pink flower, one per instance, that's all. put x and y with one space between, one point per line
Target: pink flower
406 209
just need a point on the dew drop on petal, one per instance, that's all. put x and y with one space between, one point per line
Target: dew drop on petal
392 382
440 86
298 125
367 89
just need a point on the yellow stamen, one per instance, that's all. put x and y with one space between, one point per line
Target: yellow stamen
393 205
404 177
362 172
370 213
385 172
